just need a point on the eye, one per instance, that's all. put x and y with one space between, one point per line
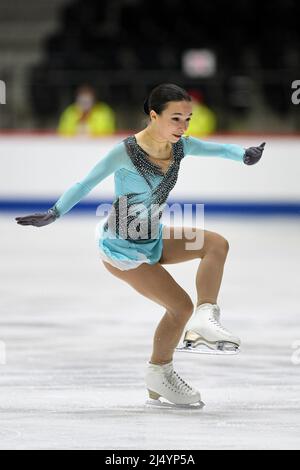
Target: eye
176 119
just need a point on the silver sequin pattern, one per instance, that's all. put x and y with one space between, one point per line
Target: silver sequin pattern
158 196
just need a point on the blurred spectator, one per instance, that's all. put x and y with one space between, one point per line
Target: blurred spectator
87 116
203 121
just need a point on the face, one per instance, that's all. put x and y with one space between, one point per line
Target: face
85 100
173 121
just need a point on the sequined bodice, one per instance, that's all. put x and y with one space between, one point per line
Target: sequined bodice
147 158
137 213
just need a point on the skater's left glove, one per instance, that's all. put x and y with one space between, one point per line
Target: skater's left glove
253 154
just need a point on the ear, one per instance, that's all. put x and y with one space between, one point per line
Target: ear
153 115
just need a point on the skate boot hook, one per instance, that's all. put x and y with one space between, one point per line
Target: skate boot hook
206 335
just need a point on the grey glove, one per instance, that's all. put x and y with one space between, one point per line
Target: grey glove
253 154
39 220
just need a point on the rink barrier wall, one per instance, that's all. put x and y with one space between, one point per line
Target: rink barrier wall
37 167
125 133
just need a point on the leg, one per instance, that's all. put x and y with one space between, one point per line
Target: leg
212 253
155 283
204 327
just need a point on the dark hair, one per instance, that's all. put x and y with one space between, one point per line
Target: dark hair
162 94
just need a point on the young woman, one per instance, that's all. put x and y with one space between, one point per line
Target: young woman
131 242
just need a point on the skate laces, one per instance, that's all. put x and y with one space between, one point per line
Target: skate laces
215 319
216 312
177 382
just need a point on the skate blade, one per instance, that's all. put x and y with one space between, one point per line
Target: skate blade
155 404
203 349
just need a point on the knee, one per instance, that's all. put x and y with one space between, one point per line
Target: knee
183 310
220 246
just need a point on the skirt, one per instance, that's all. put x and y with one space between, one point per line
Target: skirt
126 254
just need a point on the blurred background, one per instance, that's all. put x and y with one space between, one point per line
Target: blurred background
74 75
73 79
240 57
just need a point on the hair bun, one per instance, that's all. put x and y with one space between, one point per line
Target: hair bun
146 106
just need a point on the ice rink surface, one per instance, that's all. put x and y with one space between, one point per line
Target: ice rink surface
77 340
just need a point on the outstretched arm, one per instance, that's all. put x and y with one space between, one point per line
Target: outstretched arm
105 167
114 160
197 147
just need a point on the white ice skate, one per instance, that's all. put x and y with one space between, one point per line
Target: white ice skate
205 334
163 381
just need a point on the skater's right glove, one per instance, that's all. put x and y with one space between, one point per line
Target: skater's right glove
39 220
253 154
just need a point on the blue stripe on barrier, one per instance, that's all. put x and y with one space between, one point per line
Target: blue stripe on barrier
211 207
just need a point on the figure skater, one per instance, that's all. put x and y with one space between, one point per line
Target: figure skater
131 242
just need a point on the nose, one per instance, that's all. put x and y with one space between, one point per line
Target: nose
184 127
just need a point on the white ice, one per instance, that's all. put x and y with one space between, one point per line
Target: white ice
77 340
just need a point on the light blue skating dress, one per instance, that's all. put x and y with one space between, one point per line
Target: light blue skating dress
131 234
